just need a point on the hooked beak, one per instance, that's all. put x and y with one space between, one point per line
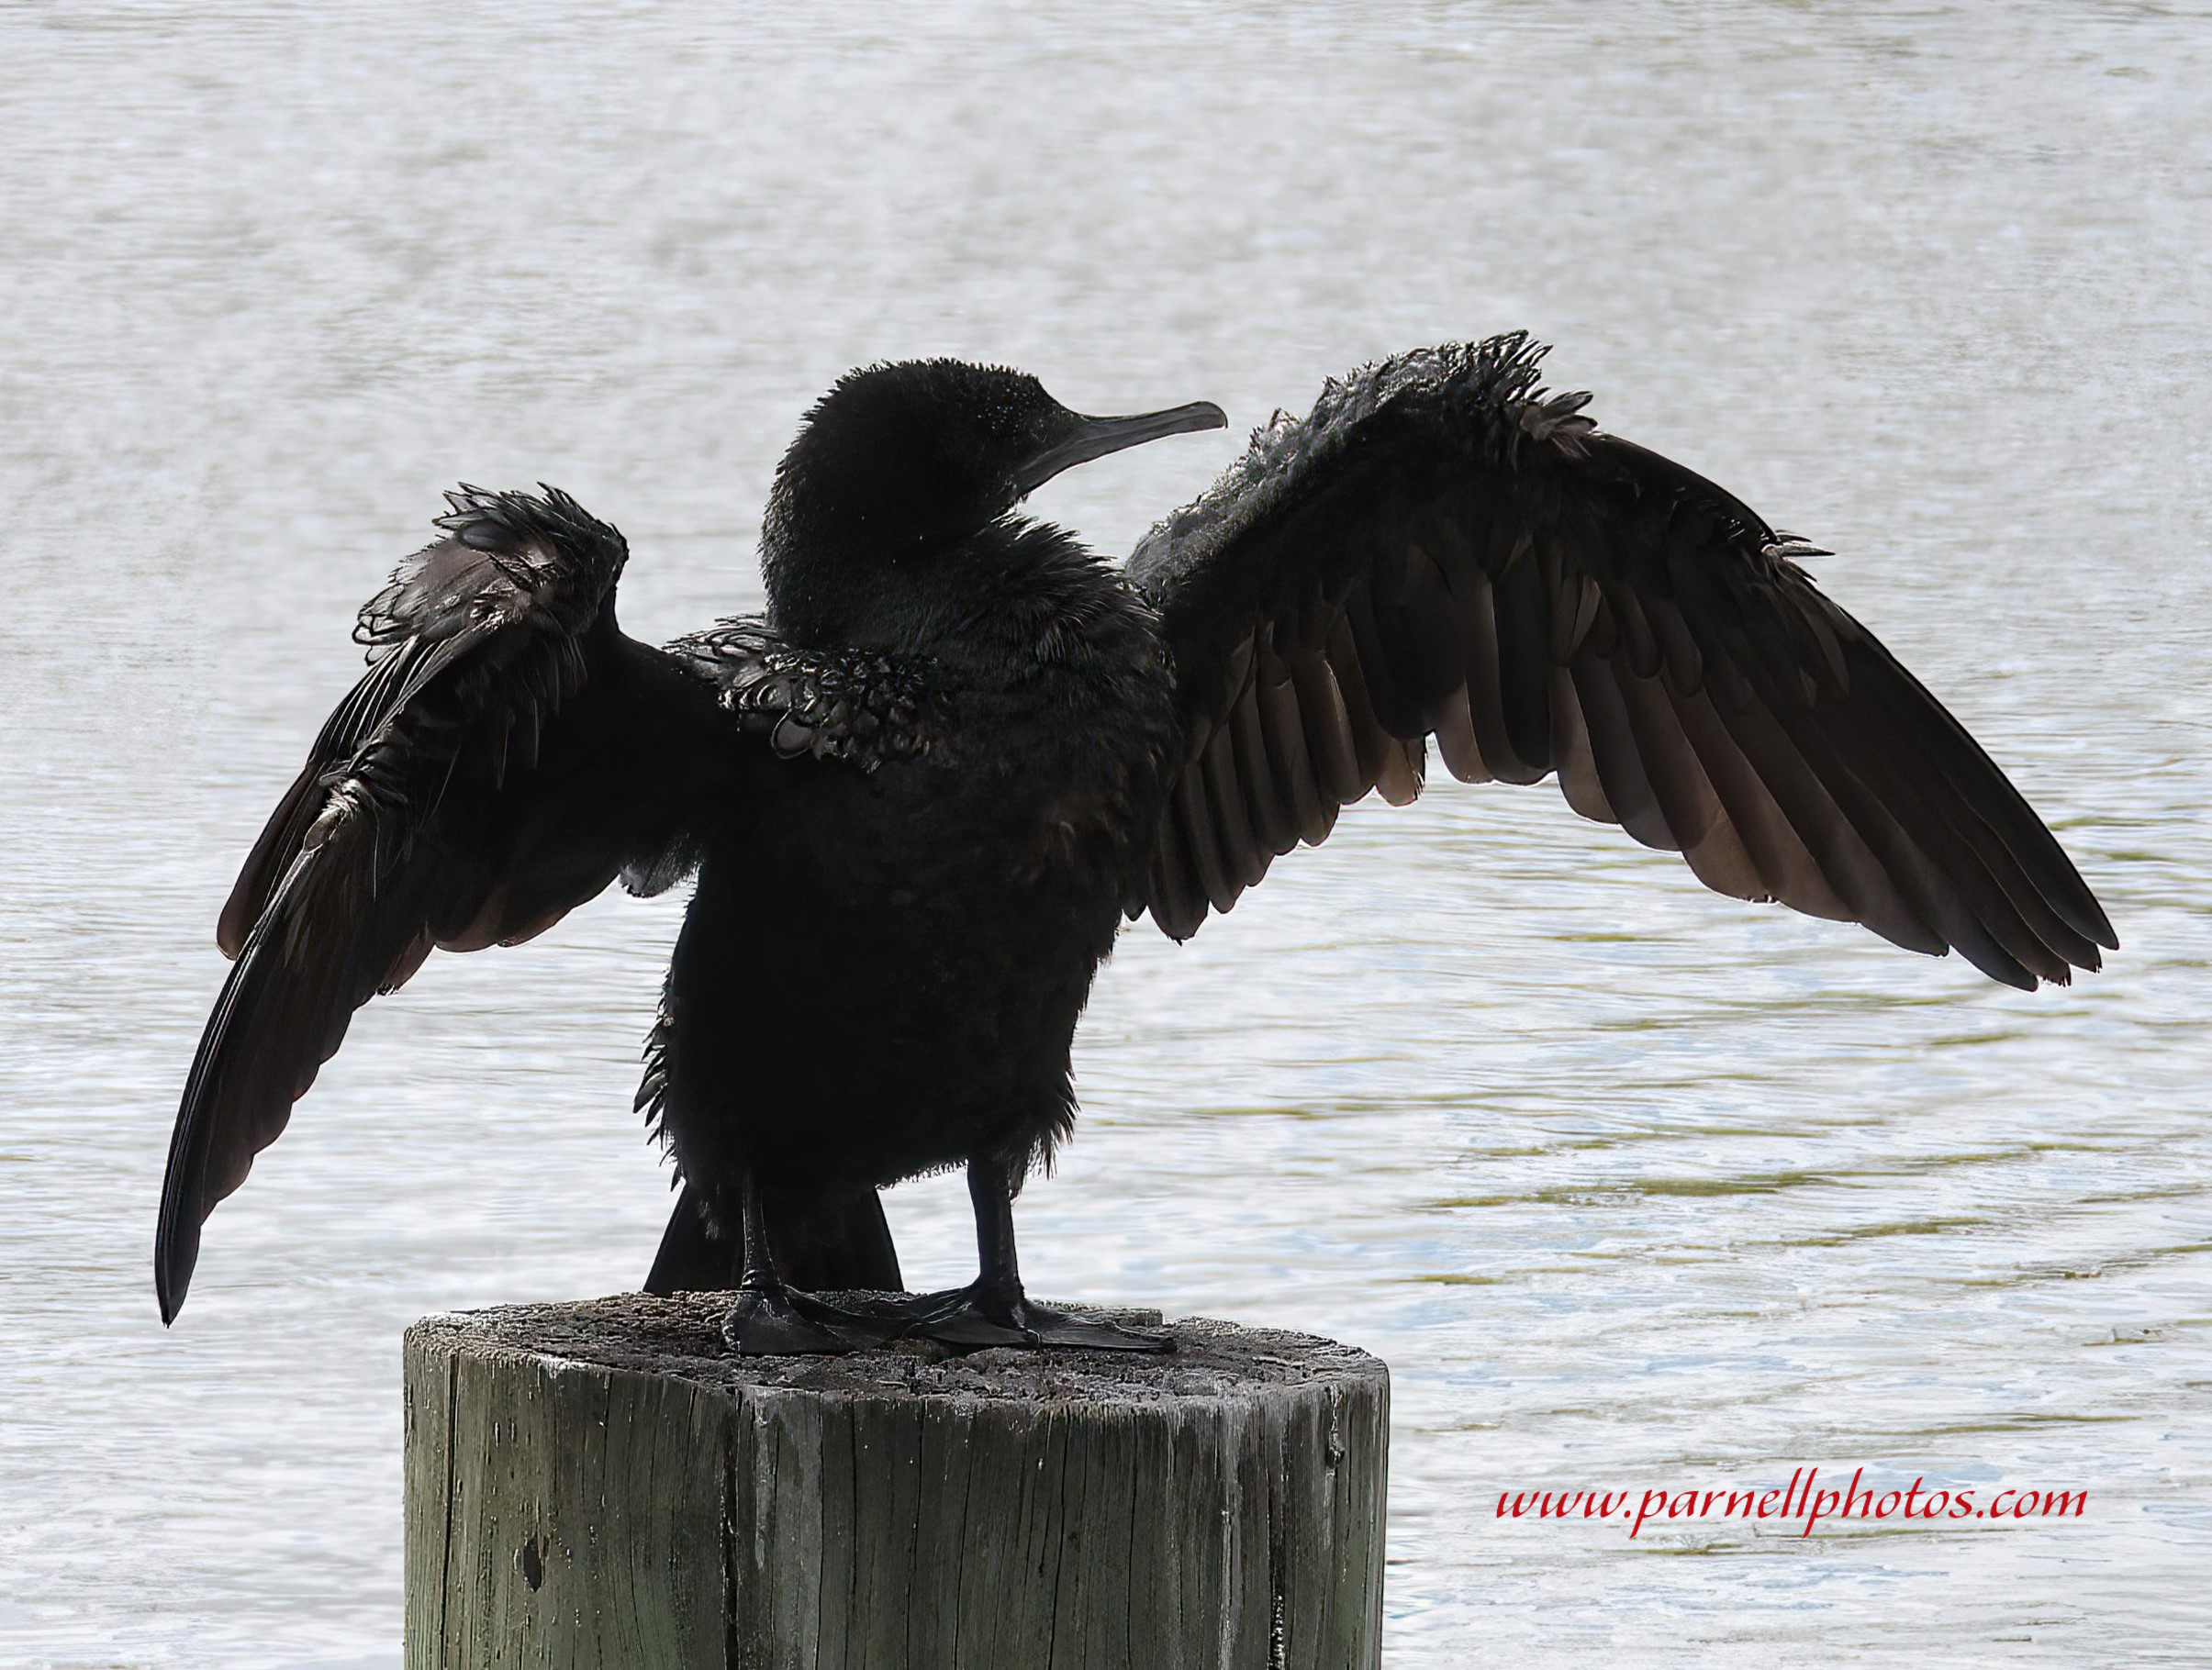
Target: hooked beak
1095 436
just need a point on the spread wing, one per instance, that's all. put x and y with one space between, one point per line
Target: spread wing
509 752
1443 548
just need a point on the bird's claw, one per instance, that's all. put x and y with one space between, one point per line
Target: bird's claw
768 1323
1056 1328
972 1319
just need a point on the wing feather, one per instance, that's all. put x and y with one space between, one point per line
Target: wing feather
1572 748
1242 862
1370 740
1328 723
1614 752
1486 683
1283 731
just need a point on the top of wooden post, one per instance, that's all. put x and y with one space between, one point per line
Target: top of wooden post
680 1338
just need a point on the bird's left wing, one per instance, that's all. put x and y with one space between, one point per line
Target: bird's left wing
1443 548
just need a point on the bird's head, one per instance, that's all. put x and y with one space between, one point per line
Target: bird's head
899 466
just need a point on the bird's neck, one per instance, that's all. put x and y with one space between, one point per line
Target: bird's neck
999 593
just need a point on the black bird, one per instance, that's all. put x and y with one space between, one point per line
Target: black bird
920 793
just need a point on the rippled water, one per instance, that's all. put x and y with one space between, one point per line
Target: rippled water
1631 1184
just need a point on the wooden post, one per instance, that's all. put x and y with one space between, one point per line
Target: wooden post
603 1484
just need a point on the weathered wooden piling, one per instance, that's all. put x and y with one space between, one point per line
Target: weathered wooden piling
603 1484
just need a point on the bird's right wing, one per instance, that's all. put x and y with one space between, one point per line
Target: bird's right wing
507 754
1443 549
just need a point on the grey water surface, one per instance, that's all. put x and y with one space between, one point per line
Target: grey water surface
1633 1185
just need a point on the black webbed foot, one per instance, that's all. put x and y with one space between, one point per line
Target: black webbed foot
770 1318
976 1317
778 1322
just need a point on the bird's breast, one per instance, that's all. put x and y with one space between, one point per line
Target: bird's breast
1081 743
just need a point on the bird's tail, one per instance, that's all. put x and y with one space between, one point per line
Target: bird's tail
829 1240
